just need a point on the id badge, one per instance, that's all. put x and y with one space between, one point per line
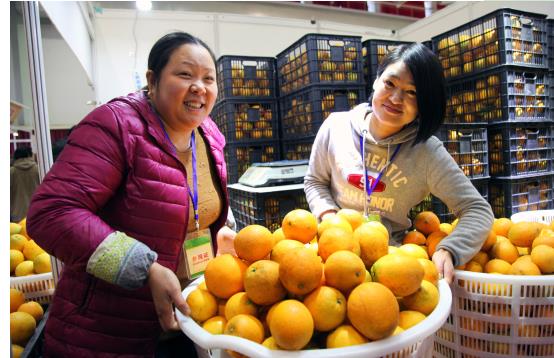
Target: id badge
198 251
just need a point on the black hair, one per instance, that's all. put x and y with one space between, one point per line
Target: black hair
23 152
430 85
164 47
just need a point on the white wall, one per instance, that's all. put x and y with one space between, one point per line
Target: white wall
68 19
67 87
460 13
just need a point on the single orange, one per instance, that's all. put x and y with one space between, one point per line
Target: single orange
253 242
327 306
300 271
414 237
373 310
224 275
291 325
427 222
299 224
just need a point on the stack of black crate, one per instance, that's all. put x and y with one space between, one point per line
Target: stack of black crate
498 90
246 112
317 75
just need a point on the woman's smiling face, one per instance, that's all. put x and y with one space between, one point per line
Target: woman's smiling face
186 90
394 100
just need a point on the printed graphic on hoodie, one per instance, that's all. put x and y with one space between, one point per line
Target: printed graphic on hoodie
375 164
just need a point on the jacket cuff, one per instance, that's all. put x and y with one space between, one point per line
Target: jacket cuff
122 261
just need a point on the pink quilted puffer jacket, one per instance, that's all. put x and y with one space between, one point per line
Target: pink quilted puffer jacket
117 172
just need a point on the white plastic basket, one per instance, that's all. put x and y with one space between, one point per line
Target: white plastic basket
417 342
544 216
39 288
498 316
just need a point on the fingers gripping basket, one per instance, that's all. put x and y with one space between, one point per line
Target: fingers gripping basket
417 342
498 316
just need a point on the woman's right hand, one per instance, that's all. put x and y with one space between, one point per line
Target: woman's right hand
328 214
166 292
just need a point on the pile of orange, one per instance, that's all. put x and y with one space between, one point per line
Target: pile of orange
335 280
26 257
523 248
24 317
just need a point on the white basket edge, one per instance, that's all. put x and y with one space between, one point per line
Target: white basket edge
378 348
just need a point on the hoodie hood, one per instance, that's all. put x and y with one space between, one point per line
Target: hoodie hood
360 124
24 163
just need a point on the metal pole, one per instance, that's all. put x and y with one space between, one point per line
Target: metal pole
31 23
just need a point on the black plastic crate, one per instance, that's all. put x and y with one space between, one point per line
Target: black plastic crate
434 204
510 196
303 112
503 94
520 148
468 146
244 121
551 93
239 157
502 37
297 149
320 59
245 77
373 52
550 30
265 206
428 44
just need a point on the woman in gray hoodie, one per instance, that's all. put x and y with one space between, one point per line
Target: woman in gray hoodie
391 140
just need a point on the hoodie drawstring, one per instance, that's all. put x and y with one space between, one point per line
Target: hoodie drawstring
367 188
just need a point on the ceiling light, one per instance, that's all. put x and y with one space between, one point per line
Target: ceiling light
144 5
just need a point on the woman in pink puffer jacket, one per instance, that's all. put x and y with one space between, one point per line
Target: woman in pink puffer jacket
115 207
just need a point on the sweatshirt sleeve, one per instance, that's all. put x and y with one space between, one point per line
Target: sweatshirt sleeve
318 177
63 215
448 183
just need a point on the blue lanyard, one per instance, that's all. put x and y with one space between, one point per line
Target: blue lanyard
193 194
369 189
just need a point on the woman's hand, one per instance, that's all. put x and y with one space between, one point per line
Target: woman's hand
166 292
328 214
443 262
226 241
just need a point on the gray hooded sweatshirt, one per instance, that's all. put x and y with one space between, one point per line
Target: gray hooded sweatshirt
334 180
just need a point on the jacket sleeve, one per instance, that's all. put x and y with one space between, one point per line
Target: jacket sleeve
317 180
63 216
448 183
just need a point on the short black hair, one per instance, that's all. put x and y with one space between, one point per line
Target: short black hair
430 85
23 152
164 47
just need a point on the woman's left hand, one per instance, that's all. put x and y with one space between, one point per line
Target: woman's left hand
226 241
443 262
166 293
